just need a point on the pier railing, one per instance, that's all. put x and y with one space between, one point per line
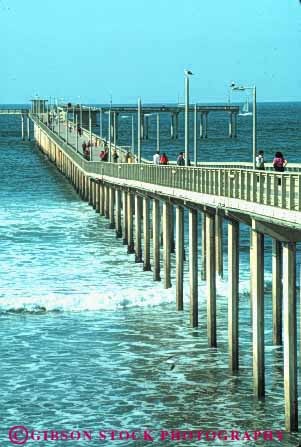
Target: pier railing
281 190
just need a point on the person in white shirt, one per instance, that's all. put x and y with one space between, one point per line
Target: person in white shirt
260 161
156 158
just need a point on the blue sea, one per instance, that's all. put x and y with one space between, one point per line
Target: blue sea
89 343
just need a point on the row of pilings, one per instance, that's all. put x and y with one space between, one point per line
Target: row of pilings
137 223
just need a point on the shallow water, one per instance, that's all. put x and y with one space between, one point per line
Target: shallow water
90 342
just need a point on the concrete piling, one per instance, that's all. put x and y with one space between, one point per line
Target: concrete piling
258 313
146 234
179 256
156 240
193 266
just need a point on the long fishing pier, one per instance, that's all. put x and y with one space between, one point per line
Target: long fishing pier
135 197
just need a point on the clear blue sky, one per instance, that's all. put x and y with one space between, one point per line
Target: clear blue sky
128 48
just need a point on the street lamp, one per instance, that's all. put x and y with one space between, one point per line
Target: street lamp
242 88
139 132
187 73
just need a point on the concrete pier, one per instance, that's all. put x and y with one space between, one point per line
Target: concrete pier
156 240
233 191
179 256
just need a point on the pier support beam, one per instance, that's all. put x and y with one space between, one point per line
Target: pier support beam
107 202
233 302
258 313
28 129
138 215
193 266
90 188
101 199
22 127
111 206
172 126
130 221
211 279
166 244
156 240
235 125
203 259
93 190
146 235
230 124
277 291
179 256
125 216
290 339
201 125
118 213
219 244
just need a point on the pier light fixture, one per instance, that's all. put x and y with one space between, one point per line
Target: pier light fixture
187 74
235 87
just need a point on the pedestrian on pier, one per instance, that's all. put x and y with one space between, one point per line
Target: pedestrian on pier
279 162
163 159
105 156
180 159
115 156
259 161
84 145
156 158
87 153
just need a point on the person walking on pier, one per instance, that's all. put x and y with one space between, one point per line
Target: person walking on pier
163 159
260 161
156 158
279 162
180 159
84 145
115 156
87 153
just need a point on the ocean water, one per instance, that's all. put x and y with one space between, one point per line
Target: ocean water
90 343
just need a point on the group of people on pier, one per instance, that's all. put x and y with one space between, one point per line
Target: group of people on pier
279 162
163 159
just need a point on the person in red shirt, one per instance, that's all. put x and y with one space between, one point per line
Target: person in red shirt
163 159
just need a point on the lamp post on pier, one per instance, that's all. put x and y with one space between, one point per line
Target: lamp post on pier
139 132
242 88
187 73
